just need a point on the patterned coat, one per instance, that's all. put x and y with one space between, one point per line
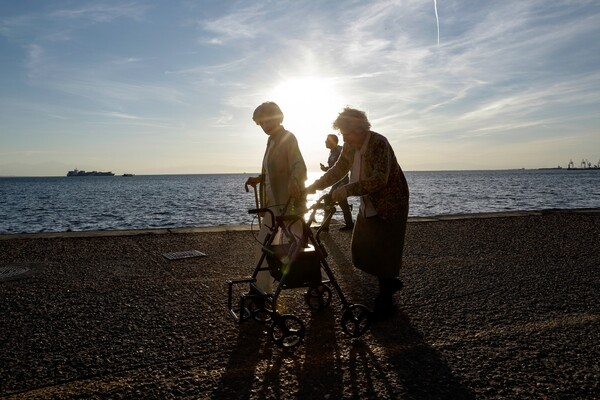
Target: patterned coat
385 184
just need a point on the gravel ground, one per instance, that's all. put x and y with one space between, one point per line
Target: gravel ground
493 308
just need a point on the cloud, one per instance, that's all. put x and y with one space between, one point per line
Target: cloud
118 115
102 12
35 56
495 71
242 24
497 62
100 82
223 120
11 27
212 69
57 25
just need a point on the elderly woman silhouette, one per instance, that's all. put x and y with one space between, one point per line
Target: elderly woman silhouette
376 177
282 177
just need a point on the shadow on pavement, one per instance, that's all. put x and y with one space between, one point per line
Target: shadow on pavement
399 364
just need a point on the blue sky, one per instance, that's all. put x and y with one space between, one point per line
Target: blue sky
152 87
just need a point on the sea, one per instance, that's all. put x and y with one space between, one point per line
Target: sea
60 204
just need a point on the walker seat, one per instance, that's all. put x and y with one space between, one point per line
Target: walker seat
305 271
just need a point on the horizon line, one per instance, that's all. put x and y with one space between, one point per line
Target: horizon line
315 171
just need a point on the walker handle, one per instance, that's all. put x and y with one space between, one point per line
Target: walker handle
262 211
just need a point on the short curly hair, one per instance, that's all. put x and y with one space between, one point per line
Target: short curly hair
353 119
267 111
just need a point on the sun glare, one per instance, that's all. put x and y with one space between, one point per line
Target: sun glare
309 105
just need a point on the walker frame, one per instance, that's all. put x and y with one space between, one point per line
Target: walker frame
295 263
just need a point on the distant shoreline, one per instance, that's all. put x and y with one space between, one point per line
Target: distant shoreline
570 169
319 172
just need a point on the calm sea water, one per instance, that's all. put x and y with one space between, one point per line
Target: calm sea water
55 204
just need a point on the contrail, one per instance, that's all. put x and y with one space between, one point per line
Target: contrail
437 20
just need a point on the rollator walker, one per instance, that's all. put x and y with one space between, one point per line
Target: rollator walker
296 259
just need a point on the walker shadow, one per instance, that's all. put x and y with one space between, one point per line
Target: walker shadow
307 364
240 372
322 373
410 368
313 366
258 368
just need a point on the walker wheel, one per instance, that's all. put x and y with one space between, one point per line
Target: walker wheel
356 320
260 308
318 297
287 330
247 305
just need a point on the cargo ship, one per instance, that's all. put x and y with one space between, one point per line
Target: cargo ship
77 172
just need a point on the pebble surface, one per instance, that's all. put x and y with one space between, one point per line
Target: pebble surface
492 308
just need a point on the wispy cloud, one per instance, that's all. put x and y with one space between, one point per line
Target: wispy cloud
12 27
57 24
211 69
101 82
501 67
224 120
497 62
106 90
118 115
102 12
244 23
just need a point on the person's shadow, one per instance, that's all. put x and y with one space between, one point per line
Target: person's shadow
408 368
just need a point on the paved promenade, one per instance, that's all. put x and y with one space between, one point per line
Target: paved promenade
495 306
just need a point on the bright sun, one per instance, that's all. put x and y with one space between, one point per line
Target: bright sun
309 105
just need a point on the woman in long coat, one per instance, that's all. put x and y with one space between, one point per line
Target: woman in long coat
282 177
375 176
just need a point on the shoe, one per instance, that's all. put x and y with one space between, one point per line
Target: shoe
389 286
384 309
347 227
396 285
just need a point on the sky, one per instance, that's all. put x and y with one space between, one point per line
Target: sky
169 87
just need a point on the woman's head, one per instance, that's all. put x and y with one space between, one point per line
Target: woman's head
352 119
353 125
268 111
